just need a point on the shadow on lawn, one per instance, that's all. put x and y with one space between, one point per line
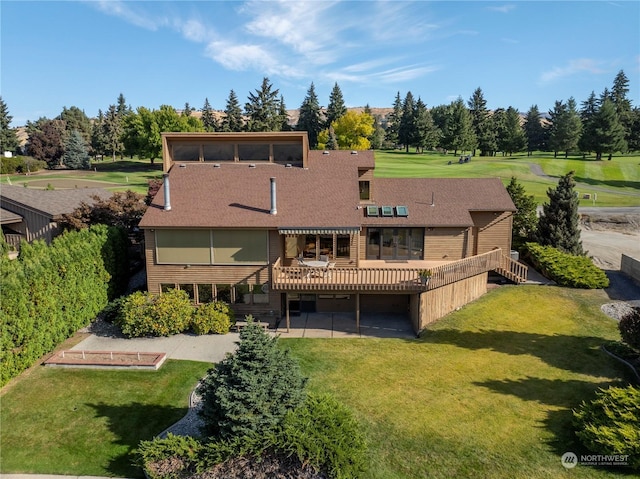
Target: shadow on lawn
611 183
579 354
132 423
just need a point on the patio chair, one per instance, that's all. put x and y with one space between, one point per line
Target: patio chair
324 257
327 272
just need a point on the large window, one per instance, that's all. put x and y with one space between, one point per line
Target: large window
212 247
395 243
186 152
317 246
183 246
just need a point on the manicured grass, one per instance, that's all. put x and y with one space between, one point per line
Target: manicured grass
616 182
86 422
486 392
130 174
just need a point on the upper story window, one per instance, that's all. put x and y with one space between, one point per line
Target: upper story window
365 190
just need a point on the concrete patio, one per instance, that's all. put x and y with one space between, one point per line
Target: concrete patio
343 325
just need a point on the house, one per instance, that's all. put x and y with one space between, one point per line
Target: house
264 223
27 214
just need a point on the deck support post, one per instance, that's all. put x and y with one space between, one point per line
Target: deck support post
286 300
358 312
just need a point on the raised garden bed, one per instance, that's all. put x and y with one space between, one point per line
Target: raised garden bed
72 358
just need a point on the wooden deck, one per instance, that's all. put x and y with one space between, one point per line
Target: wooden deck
387 276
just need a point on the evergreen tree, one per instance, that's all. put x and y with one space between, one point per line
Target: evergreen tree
587 114
187 110
332 141
406 132
427 134
208 118
559 224
262 109
121 106
76 155
76 120
607 131
8 137
481 121
525 219
394 122
633 144
566 127
112 128
336 107
98 139
460 130
512 138
232 120
377 138
534 131
250 391
622 104
310 119
283 116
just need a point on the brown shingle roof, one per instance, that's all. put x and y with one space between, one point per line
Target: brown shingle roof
50 202
453 199
236 195
324 195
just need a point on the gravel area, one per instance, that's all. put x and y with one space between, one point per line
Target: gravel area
619 309
190 424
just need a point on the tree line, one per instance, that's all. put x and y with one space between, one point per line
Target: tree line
604 124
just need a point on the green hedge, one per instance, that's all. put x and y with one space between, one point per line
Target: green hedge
610 424
50 292
566 269
20 164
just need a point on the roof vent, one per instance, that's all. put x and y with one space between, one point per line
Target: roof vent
354 152
288 165
252 165
325 152
216 165
183 165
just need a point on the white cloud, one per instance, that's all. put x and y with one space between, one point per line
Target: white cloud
502 8
121 9
574 67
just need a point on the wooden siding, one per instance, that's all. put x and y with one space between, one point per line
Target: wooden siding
494 230
446 244
439 302
158 274
35 225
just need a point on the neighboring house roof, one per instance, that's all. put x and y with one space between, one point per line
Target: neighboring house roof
52 203
437 201
236 195
325 195
8 217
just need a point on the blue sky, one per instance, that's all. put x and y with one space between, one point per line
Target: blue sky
520 53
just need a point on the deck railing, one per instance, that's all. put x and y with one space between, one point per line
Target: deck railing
304 278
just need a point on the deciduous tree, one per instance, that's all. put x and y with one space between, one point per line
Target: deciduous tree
46 143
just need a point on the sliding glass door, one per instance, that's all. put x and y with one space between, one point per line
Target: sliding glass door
395 243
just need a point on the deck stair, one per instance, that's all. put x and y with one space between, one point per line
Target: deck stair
512 270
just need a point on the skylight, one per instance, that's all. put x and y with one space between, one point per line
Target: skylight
387 211
372 211
402 211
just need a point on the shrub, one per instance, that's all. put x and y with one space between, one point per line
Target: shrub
215 317
112 311
166 458
324 433
251 390
629 327
21 164
566 269
610 424
145 314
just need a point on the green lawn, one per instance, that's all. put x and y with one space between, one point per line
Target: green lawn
616 182
486 392
86 422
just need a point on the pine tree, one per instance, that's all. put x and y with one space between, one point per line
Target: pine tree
525 219
208 118
406 132
113 132
512 138
76 155
262 109
250 391
336 107
587 114
559 225
8 137
232 120
187 110
566 127
534 131
283 116
426 132
98 139
332 142
460 129
393 123
607 131
76 120
481 121
309 119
